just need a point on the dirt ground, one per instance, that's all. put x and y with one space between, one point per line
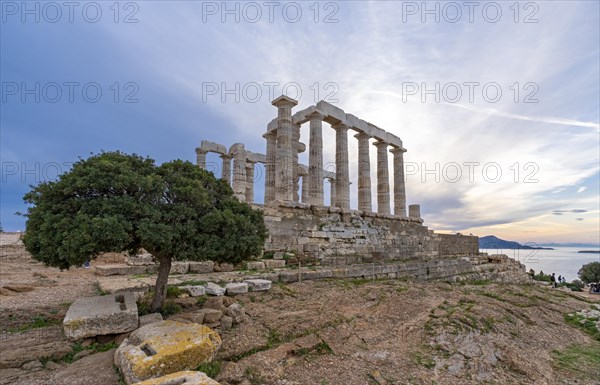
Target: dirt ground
330 332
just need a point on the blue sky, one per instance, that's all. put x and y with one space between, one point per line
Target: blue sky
538 63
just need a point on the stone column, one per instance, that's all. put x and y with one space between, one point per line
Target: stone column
295 151
315 160
271 138
284 173
342 177
399 182
201 158
364 173
239 175
250 182
226 171
383 179
332 193
414 211
305 189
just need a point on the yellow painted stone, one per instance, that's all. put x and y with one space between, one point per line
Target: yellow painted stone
163 348
187 378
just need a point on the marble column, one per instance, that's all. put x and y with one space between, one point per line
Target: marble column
414 211
239 175
305 189
295 151
201 158
342 178
226 170
284 173
364 173
383 179
315 160
250 182
399 182
332 193
271 138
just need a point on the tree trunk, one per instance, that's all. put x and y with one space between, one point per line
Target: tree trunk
160 292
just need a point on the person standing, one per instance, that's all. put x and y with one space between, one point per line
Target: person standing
553 280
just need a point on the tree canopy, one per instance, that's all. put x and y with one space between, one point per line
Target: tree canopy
590 272
114 202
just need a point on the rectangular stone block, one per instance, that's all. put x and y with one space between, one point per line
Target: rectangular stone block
214 289
255 265
236 288
274 263
203 267
179 267
106 270
108 314
258 284
194 291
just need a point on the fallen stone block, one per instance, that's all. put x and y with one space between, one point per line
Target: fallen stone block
108 314
194 291
258 284
163 348
255 265
236 288
203 267
187 378
150 318
179 268
274 263
225 267
211 316
236 312
214 289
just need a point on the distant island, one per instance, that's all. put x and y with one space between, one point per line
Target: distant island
493 242
589 251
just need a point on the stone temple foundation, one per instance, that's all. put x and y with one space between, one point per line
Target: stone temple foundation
298 221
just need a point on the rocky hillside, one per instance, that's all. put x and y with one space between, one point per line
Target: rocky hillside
328 332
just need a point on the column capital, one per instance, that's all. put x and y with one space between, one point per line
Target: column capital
381 143
397 150
284 101
270 134
316 115
340 127
201 151
226 156
362 135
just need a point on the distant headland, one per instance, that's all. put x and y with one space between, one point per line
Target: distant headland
493 242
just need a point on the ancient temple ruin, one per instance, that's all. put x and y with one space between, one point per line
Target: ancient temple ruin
299 222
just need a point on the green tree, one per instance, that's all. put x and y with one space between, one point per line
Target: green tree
114 202
590 272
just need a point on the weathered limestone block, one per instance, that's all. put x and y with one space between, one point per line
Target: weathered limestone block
214 289
144 259
106 270
236 288
179 267
258 284
255 265
150 318
186 377
225 267
236 312
108 314
274 263
194 291
203 267
211 316
163 348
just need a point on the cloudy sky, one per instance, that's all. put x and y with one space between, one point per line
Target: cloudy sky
496 102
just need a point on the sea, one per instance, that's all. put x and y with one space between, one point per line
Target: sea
565 261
